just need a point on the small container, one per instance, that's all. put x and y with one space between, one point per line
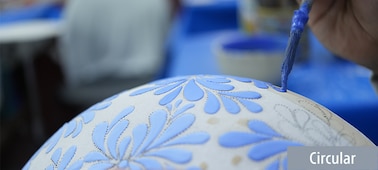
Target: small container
259 56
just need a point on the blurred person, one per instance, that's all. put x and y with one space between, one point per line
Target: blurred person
113 39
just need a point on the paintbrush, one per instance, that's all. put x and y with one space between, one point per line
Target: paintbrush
299 22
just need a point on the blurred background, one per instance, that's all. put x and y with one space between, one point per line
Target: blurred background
59 57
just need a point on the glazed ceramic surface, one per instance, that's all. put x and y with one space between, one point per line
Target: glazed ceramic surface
194 122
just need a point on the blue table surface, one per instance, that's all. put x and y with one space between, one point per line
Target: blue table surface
339 85
38 11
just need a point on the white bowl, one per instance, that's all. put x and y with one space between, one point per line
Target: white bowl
194 122
258 56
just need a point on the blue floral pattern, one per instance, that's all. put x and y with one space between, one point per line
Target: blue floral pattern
73 128
165 133
266 142
147 143
217 89
61 162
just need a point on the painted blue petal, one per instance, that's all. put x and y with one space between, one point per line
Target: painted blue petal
98 135
169 106
193 138
77 165
169 97
170 80
56 156
238 139
230 105
284 163
95 157
143 90
122 146
262 128
88 116
192 92
270 148
212 104
260 84
79 127
139 133
217 79
50 167
243 94
101 106
54 139
177 126
121 115
175 155
178 102
102 165
134 166
123 164
166 88
114 135
70 128
67 157
157 122
275 165
183 109
241 79
251 106
149 163
215 86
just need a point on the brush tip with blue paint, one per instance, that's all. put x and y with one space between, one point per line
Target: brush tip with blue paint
299 22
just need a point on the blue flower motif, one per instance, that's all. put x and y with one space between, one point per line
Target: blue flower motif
148 142
73 127
267 142
217 89
61 162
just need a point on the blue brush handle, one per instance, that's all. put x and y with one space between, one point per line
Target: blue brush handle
299 22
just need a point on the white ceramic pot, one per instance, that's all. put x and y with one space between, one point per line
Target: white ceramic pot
194 122
257 56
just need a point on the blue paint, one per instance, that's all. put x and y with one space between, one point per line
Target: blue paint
212 104
262 128
139 133
98 135
265 142
266 43
299 21
216 88
239 139
61 162
148 140
70 128
170 97
174 155
56 155
192 92
270 148
230 105
114 135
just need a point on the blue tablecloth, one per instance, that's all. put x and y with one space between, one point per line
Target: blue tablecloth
37 11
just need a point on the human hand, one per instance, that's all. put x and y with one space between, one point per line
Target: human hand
348 28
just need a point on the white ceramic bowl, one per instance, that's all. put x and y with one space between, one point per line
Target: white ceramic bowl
258 56
194 122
